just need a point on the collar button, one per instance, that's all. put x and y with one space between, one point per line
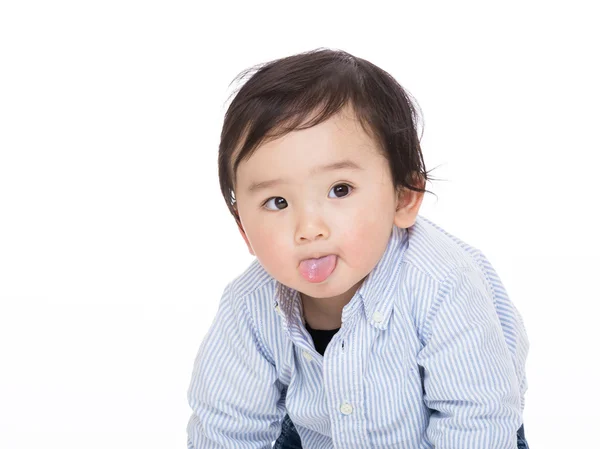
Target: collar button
378 317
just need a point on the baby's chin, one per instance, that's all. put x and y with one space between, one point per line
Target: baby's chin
326 289
334 291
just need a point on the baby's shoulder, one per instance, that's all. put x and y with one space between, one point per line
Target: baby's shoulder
253 280
432 257
254 292
435 252
254 296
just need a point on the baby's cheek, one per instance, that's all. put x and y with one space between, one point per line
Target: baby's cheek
280 255
365 242
356 239
271 246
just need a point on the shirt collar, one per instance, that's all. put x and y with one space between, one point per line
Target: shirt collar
375 294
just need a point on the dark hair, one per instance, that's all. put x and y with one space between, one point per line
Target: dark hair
281 94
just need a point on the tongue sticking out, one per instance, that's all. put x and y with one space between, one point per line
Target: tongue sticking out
317 270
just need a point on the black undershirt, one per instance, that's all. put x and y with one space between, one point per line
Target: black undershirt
321 338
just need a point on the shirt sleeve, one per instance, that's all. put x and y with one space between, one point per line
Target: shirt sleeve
469 380
234 392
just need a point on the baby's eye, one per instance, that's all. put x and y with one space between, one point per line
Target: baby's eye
337 189
341 188
282 202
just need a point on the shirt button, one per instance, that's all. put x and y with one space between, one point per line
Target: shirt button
307 355
346 409
278 309
377 317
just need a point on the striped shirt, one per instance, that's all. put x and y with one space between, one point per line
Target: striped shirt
431 353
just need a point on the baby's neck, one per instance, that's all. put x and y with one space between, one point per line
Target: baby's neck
326 313
319 321
323 314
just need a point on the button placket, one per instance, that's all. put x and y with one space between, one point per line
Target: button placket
346 408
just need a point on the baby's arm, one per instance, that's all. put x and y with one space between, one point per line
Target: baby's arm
469 379
234 392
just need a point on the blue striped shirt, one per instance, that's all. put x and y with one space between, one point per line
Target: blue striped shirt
431 353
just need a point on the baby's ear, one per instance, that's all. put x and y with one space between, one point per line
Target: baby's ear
407 206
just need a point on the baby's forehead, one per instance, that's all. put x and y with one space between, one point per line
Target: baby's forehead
344 122
309 150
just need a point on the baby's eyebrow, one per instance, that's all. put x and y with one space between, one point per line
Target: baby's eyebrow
345 164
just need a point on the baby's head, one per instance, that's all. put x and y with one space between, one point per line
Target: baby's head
319 155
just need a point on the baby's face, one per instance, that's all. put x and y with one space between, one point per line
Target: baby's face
345 212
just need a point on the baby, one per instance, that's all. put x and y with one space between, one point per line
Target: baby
360 324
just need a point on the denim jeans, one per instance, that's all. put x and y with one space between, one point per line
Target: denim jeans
289 438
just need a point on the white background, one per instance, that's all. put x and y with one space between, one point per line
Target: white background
116 244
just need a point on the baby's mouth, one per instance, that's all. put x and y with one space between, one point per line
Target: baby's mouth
317 270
